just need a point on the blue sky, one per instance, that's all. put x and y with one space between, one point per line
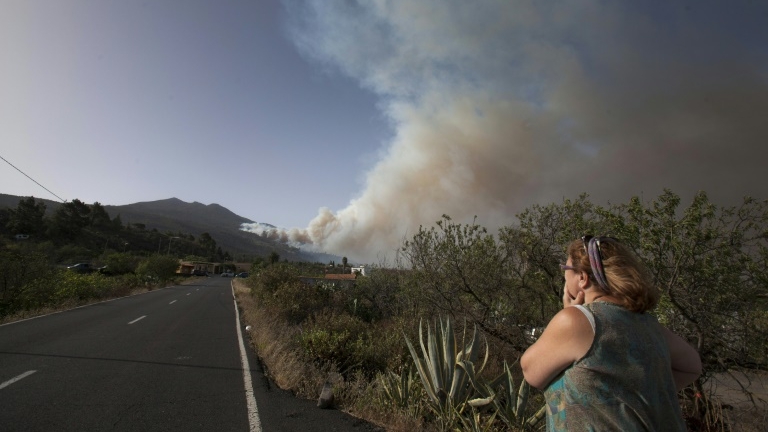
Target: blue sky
351 123
121 102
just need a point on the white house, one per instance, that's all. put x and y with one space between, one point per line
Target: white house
363 270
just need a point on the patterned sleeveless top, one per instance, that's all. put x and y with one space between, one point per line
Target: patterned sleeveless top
623 383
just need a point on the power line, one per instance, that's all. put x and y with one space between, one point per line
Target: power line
62 200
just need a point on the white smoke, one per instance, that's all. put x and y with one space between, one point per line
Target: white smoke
498 105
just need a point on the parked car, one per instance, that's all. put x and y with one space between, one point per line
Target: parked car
199 273
242 275
227 274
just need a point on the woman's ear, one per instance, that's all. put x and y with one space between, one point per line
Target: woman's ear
584 280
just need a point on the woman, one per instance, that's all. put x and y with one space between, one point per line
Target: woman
602 361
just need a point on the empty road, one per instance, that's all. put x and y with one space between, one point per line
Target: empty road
167 360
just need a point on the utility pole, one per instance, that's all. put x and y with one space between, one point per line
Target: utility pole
169 245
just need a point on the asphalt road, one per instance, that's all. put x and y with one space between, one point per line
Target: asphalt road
167 360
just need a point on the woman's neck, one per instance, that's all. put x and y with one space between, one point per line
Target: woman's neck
595 295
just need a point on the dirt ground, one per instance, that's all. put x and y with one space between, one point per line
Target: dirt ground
744 397
728 386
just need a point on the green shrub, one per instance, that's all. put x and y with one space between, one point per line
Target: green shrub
269 279
348 343
78 286
120 263
278 287
157 268
18 268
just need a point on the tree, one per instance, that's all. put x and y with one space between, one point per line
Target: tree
461 271
99 218
70 219
158 267
710 263
273 258
208 244
27 218
117 223
344 262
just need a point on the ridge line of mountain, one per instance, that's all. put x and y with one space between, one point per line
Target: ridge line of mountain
175 215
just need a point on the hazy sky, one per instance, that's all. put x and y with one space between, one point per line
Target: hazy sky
350 123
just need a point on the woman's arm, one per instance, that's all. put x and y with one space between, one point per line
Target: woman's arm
686 363
566 339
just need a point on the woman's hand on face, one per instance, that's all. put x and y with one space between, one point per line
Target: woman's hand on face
570 301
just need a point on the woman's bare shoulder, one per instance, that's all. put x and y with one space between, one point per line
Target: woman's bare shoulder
566 339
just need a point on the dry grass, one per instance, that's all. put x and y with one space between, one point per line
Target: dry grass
274 343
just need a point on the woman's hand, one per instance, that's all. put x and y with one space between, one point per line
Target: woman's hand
570 301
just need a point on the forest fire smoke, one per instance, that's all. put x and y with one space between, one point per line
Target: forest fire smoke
500 106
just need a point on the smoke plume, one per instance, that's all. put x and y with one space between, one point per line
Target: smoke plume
497 105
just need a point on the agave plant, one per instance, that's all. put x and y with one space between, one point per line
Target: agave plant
401 389
510 404
442 366
476 422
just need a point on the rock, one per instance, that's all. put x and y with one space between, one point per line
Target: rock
326 396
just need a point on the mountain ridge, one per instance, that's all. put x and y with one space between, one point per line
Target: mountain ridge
175 215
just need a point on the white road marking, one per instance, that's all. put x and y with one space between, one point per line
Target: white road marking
253 410
189 293
172 302
83 306
138 319
20 377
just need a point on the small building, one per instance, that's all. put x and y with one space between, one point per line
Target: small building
363 270
189 267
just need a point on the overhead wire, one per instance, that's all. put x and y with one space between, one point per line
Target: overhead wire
36 182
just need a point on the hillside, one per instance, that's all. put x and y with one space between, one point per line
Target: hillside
11 201
195 218
175 215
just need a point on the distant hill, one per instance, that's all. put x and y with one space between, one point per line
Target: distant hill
175 215
11 201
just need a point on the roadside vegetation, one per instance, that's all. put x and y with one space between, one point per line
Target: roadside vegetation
431 342
37 246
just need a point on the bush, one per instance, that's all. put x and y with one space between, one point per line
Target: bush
350 344
278 287
78 286
157 268
121 263
18 268
268 280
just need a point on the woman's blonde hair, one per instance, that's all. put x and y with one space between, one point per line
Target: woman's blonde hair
627 278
